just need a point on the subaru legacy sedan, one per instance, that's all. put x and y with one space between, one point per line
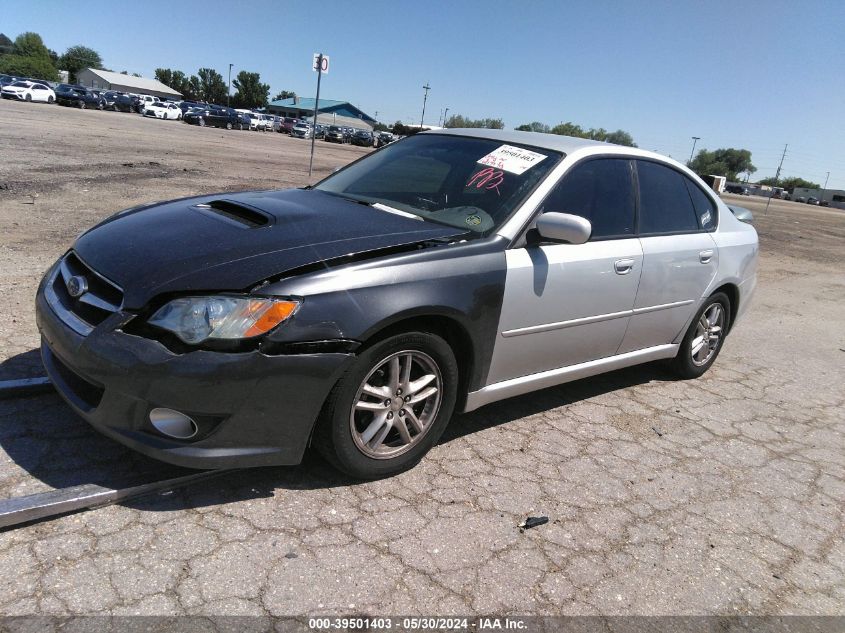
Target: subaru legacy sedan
436 275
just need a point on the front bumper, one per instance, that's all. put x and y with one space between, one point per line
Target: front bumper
254 409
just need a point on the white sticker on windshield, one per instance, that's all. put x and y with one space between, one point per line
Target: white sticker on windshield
512 159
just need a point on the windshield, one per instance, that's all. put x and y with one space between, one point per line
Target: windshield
471 183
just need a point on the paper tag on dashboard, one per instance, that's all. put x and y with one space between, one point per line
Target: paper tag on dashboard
512 159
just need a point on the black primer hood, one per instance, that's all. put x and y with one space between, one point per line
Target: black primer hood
233 241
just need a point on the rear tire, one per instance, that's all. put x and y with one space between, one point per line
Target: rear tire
704 338
50 100
380 418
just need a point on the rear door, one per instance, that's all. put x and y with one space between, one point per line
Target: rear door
566 304
680 257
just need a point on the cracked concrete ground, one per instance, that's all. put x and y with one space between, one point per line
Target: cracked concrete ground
722 495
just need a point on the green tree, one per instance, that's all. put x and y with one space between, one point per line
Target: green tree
284 94
250 92
77 58
723 162
534 126
29 57
30 44
621 137
177 80
165 76
790 183
456 120
6 45
569 129
194 88
212 88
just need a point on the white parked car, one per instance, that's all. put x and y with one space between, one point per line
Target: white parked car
162 110
254 120
301 130
146 101
29 91
265 122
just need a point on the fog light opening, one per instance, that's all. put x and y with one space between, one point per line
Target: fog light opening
173 424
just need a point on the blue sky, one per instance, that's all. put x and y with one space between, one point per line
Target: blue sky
754 75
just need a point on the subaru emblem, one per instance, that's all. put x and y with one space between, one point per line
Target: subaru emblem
77 286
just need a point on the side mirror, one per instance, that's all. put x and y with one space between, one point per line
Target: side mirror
563 227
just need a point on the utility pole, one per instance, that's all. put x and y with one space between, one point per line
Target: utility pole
229 92
426 87
777 175
821 197
695 140
445 114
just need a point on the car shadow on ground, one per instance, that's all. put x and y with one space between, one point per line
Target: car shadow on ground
46 440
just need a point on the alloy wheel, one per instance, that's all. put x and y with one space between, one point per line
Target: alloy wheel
708 333
396 404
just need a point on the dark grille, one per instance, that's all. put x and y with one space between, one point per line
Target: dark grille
100 300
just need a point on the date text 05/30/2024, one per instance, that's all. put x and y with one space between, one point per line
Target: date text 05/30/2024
417 624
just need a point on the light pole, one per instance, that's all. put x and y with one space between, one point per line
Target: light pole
426 87
821 197
229 92
445 115
695 140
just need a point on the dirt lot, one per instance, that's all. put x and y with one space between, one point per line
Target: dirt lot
722 495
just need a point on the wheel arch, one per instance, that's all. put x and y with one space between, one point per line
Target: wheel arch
448 327
731 290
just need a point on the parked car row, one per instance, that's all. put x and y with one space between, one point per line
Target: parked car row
191 112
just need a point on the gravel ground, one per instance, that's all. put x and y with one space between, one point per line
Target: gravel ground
722 495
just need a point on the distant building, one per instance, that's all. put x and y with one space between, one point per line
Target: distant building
331 112
107 80
835 197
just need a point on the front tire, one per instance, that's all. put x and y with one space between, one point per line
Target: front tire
390 407
28 97
228 125
704 338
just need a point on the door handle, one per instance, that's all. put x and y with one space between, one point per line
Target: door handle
705 256
623 266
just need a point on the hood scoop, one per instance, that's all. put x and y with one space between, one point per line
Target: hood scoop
236 213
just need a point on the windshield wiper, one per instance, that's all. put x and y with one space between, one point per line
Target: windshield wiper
389 209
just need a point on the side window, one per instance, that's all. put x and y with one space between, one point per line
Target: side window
665 204
705 210
601 191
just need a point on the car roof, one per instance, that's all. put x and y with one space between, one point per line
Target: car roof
556 142
566 144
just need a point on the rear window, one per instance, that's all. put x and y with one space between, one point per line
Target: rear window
705 210
665 203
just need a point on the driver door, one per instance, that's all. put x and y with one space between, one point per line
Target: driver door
566 304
